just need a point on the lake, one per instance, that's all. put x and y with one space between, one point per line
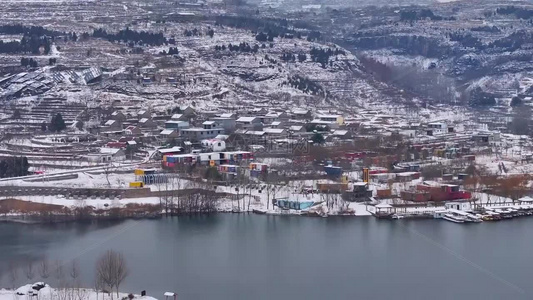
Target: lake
246 256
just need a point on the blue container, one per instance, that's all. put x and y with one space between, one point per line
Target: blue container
333 171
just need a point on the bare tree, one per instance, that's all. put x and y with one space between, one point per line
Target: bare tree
82 294
99 285
44 269
30 270
111 269
107 171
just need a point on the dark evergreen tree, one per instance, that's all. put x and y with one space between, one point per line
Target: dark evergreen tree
14 166
516 101
318 138
261 37
57 123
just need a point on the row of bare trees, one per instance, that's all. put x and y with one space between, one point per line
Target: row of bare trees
179 196
111 271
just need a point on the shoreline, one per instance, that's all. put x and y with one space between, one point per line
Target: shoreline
30 213
45 291
37 220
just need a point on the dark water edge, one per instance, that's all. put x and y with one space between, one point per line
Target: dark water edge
246 256
36 219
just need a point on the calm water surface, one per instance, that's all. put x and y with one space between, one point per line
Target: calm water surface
231 256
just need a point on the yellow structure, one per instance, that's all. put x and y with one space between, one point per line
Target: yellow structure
339 119
136 184
366 175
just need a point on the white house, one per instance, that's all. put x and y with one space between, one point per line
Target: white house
116 154
463 206
436 128
331 118
214 145
107 155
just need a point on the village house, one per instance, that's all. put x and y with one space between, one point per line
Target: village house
341 134
129 140
179 117
118 116
228 124
297 129
228 116
437 128
187 111
249 123
277 124
146 123
253 136
174 124
214 145
275 132
301 114
133 130
209 130
169 134
338 119
488 138
257 111
112 154
271 117
112 125
328 124
144 114
169 151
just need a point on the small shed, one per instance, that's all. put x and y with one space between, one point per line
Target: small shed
171 295
526 200
384 208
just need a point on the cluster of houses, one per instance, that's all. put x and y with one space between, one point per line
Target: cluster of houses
211 131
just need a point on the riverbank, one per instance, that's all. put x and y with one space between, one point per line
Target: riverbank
53 209
44 292
28 212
